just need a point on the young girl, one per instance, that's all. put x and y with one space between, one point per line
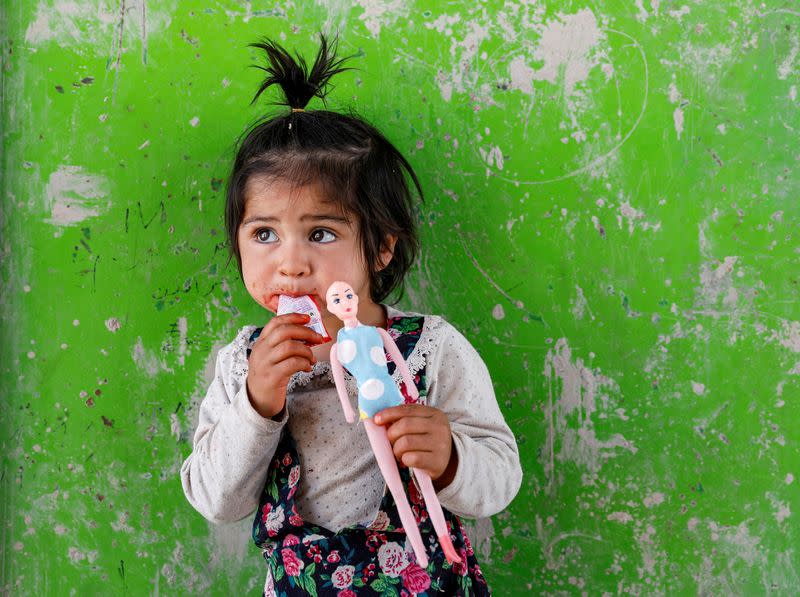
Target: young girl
317 196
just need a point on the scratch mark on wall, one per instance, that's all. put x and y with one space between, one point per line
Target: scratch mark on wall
517 303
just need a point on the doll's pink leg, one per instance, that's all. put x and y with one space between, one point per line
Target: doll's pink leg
388 465
436 514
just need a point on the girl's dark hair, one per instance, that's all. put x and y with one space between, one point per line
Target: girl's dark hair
354 164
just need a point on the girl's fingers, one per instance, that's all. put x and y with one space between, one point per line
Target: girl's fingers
423 442
296 364
414 425
389 415
290 331
288 367
288 349
424 462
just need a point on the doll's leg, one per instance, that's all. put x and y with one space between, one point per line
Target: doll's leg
388 465
436 514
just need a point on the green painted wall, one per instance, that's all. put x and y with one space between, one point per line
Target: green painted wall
612 218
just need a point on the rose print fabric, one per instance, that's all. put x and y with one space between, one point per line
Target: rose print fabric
305 559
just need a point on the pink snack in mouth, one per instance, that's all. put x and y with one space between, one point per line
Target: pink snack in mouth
307 306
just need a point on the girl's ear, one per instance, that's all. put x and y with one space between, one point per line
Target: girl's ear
387 252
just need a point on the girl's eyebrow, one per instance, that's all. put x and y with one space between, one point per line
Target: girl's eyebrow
306 218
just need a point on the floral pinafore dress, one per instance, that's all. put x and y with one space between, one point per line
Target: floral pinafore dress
305 559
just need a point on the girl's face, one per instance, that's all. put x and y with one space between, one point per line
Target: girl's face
293 242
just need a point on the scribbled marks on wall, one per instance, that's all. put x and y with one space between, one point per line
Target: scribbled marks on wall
576 394
73 195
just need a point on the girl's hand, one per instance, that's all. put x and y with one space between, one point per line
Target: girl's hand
421 438
278 353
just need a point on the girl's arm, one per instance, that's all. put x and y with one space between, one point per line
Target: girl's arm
233 445
400 363
488 474
341 387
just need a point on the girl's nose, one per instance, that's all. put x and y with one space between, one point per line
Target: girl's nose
294 263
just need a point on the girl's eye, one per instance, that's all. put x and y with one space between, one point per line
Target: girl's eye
336 301
320 235
265 235
350 296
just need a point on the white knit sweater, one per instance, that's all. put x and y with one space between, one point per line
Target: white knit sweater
340 483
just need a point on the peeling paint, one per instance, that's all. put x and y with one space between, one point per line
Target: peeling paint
74 195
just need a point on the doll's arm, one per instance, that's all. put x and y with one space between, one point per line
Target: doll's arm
341 387
400 363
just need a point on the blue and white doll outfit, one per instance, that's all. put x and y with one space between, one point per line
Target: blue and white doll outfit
360 351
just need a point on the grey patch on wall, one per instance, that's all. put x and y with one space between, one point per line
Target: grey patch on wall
481 533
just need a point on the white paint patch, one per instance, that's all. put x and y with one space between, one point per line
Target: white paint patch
183 329
194 121
674 94
790 335
691 524
738 540
147 360
634 216
77 555
573 393
716 282
381 13
580 305
498 312
782 509
789 478
565 48
654 499
122 523
793 92
521 75
174 426
623 517
680 13
787 66
95 26
698 388
493 157
678 119
112 324
642 14
74 195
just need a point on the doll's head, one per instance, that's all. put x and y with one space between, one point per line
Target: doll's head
342 301
351 163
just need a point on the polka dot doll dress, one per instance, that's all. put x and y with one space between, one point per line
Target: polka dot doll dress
360 351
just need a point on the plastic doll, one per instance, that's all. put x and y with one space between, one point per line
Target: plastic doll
360 349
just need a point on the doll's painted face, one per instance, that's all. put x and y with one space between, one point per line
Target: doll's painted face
342 301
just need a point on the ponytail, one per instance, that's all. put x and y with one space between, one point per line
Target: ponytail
298 84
